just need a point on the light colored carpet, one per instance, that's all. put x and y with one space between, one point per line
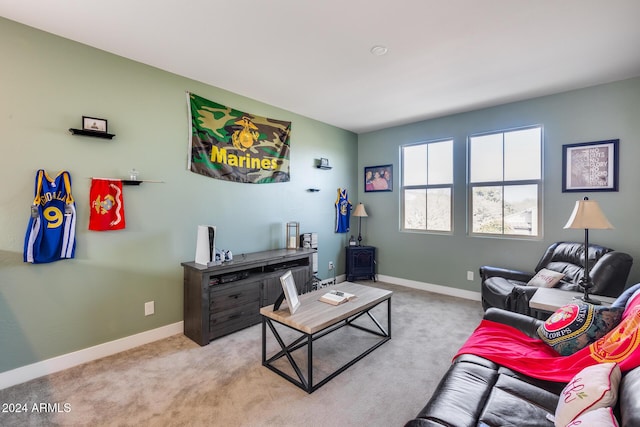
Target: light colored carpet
175 382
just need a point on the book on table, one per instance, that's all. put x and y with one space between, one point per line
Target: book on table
336 297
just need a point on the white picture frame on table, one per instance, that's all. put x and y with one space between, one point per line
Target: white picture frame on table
290 291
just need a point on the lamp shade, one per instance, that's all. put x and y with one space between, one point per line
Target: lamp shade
588 215
360 211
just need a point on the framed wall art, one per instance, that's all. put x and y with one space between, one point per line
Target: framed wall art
378 178
590 166
94 124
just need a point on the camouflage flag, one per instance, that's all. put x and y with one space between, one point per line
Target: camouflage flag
234 146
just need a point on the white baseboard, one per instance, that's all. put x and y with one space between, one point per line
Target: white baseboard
65 361
438 289
429 287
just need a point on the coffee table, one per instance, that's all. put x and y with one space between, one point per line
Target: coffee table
315 319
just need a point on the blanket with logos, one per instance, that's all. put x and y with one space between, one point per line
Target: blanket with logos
507 346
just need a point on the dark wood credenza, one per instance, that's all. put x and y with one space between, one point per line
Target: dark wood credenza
222 299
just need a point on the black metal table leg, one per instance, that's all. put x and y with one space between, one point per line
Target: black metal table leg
308 339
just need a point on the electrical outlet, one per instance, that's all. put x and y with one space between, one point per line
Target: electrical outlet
469 275
330 265
149 308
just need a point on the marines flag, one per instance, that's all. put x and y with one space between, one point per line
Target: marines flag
107 205
232 145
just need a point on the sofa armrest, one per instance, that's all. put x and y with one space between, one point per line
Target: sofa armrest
628 398
526 324
610 274
421 422
488 271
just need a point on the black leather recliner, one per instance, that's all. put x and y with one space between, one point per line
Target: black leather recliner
508 289
478 392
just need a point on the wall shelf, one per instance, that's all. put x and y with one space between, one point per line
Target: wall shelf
84 132
128 181
323 163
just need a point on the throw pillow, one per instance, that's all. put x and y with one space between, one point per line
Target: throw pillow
594 387
601 417
545 278
576 325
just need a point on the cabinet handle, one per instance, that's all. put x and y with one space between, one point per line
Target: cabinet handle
234 316
235 296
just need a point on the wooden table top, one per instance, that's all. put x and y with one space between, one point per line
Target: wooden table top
314 315
551 299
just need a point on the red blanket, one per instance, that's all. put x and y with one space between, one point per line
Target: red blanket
510 347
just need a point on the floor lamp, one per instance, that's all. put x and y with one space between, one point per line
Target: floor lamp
587 214
360 212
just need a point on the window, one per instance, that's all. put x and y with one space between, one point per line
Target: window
505 183
427 186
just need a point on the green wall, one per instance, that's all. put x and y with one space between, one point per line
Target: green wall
46 84
603 112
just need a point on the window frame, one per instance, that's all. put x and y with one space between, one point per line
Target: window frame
504 183
427 187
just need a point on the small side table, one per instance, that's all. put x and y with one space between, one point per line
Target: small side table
548 300
361 262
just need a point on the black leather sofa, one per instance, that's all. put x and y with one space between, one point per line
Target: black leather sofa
507 289
477 392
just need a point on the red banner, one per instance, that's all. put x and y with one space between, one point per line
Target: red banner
107 206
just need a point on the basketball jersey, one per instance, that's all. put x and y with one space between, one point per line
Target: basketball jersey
343 211
51 233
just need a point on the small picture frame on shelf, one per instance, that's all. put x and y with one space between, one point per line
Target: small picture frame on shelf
94 124
323 163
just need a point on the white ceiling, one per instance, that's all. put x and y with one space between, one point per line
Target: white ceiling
313 57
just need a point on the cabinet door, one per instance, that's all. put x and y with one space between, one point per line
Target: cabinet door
233 306
233 319
360 262
271 290
363 261
224 297
272 287
302 277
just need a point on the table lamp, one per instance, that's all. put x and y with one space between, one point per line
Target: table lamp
587 214
360 212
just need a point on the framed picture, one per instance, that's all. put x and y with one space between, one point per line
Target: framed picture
378 178
590 166
94 124
290 291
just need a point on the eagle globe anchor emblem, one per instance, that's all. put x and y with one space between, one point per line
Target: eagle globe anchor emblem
247 136
105 205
